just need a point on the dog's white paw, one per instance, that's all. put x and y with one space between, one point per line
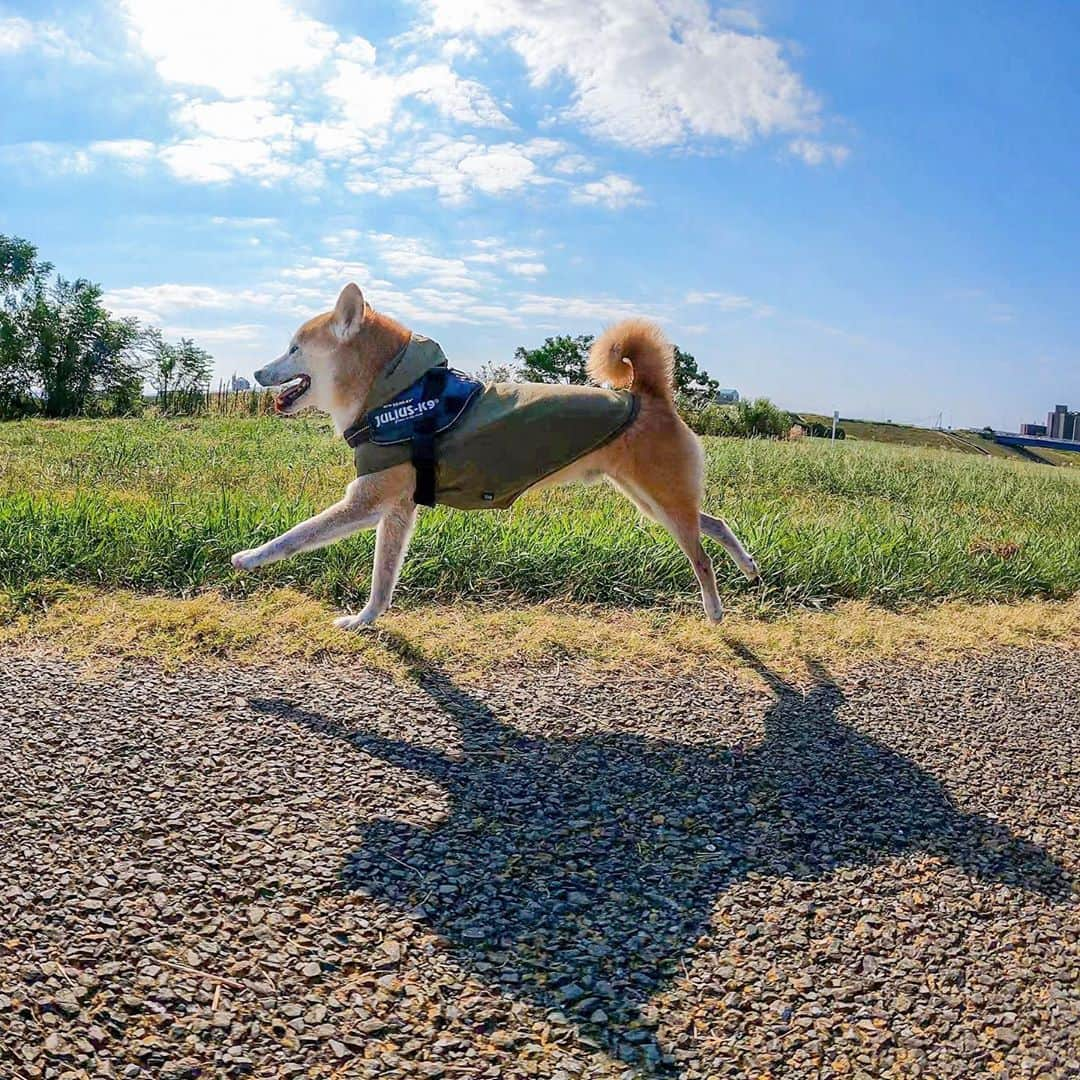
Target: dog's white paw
363 621
245 560
750 569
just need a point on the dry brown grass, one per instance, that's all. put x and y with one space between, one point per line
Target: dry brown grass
285 625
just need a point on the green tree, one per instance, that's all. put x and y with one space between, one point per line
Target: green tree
559 360
697 387
77 352
562 360
180 373
22 275
19 265
60 350
502 373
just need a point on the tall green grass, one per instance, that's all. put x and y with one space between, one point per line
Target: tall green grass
161 504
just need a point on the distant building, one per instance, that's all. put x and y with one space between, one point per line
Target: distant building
1035 430
1062 424
239 384
727 397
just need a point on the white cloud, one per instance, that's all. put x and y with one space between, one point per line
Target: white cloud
21 35
243 334
724 301
201 159
47 158
368 101
647 73
493 252
457 49
582 308
494 169
527 269
612 191
462 100
240 49
818 153
123 149
256 52
345 114
15 35
455 168
245 222
274 96
407 258
208 160
424 288
357 49
247 118
573 165
400 275
730 302
247 138
155 302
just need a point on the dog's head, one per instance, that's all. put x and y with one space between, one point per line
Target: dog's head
323 367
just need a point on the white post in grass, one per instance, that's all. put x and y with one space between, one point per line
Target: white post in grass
835 418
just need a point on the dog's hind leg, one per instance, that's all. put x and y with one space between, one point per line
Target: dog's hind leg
680 518
391 542
717 529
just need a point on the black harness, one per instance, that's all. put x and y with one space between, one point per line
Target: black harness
430 406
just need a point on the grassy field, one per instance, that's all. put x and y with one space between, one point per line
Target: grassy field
159 505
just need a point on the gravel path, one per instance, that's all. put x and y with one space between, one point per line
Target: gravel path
324 873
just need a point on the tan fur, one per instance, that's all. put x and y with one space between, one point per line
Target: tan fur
351 366
634 354
657 462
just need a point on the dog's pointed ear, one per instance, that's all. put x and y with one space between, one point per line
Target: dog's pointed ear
348 312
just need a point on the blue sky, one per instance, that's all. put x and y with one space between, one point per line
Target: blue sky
868 206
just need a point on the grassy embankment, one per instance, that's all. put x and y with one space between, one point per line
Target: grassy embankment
115 537
157 505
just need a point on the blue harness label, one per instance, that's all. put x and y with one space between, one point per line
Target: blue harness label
395 413
396 421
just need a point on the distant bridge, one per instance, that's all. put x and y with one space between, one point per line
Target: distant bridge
1007 438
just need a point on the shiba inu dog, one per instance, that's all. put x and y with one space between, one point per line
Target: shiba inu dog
337 362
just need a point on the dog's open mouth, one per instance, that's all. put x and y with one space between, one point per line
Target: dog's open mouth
291 392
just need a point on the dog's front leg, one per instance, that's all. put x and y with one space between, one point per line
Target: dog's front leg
358 510
391 542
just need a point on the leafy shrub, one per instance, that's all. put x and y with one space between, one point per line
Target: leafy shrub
759 418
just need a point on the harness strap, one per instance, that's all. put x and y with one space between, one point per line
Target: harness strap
422 444
357 434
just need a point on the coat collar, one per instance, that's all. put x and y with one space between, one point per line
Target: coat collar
419 355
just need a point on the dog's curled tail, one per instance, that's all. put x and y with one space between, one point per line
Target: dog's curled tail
634 354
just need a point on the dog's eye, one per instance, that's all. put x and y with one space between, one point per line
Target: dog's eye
295 348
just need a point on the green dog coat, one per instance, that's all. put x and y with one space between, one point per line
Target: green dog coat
509 437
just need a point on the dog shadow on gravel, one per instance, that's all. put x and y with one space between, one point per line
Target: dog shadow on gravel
579 871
